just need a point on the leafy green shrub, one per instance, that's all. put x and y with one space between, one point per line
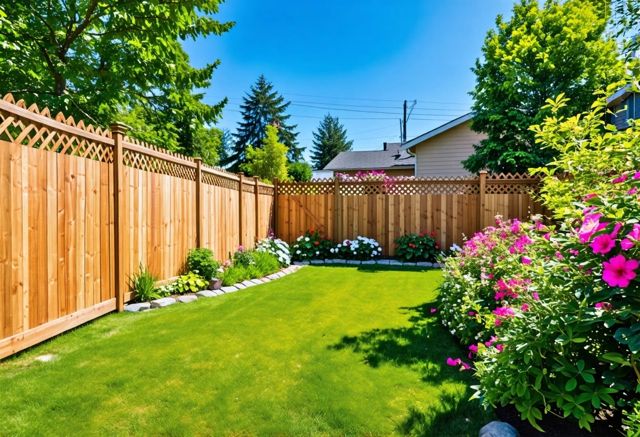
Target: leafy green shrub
201 261
300 171
189 283
235 274
276 247
265 263
243 257
632 420
362 248
311 245
417 247
143 285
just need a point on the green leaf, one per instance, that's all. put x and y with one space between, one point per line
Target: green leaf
571 384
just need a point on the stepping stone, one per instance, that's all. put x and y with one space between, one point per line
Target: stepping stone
136 307
187 298
265 279
218 292
248 283
238 286
164 302
230 289
273 276
256 281
206 293
498 429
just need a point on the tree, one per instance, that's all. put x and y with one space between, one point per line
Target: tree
262 107
268 162
300 171
328 141
106 61
536 55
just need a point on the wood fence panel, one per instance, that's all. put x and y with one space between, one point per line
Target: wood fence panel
58 248
448 207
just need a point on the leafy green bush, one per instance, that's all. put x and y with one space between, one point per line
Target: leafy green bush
143 285
250 264
243 257
189 283
201 261
265 263
311 245
300 171
361 248
417 247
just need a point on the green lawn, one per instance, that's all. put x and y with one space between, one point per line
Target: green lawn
325 351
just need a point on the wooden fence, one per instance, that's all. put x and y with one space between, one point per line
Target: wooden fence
450 207
81 208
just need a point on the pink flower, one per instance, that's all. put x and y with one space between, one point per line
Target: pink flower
559 256
465 366
574 252
504 312
471 313
626 244
524 308
590 225
453 362
515 226
620 179
619 271
500 347
473 349
604 243
526 260
535 295
589 196
635 232
632 191
433 310
604 306
636 175
490 342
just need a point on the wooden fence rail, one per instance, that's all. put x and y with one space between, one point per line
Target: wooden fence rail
450 207
82 208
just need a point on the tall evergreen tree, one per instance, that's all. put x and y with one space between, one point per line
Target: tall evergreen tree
539 53
262 107
328 141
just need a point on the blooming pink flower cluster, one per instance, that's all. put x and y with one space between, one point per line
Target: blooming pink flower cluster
618 270
457 362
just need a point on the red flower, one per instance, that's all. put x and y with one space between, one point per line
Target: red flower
411 245
316 243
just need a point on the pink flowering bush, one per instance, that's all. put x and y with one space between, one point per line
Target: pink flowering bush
574 350
479 282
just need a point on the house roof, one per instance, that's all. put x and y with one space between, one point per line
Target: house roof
619 96
392 157
437 131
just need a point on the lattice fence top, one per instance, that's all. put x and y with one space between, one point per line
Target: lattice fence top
36 128
495 184
157 165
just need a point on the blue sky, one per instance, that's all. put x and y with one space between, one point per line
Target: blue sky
357 59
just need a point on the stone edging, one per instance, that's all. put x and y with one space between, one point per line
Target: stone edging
187 298
384 262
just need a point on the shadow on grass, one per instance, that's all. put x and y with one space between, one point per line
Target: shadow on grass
423 345
455 415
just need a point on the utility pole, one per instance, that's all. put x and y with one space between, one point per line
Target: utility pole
404 122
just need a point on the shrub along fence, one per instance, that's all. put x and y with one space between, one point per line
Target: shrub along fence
81 208
386 210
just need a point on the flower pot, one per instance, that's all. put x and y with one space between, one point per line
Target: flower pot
215 284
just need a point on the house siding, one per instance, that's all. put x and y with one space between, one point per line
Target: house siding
443 154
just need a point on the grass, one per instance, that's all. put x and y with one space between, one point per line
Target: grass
326 351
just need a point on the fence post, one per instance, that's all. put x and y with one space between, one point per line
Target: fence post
240 209
257 206
336 208
275 208
198 201
483 185
118 131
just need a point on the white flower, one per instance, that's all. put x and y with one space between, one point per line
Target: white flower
298 252
317 252
306 238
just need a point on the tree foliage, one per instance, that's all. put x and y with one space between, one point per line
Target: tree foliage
102 61
300 171
328 141
626 24
262 107
538 54
268 162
